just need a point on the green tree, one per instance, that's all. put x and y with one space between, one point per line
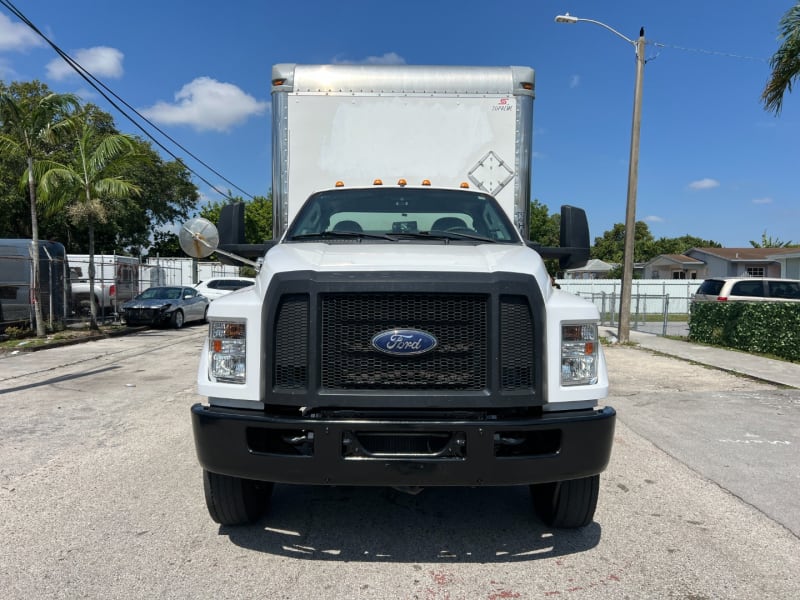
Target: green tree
29 127
769 242
679 245
545 228
89 183
785 63
610 246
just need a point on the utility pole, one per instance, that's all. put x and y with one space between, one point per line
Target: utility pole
623 333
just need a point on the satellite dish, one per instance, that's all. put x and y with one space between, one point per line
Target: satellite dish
198 237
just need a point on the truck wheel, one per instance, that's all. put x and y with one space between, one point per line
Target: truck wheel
177 319
566 504
235 501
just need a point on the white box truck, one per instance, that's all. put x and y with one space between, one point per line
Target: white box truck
402 330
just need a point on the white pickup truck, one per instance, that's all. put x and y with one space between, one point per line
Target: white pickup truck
116 280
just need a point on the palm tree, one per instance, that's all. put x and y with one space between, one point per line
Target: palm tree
85 186
29 125
785 62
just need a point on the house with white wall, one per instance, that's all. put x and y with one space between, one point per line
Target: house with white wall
702 263
674 266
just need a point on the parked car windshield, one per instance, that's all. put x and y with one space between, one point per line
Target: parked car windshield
394 214
168 293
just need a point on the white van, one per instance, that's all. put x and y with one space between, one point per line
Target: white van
758 289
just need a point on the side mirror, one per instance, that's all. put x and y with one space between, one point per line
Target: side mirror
573 251
575 237
231 235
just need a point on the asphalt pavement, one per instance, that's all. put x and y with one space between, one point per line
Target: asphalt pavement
779 372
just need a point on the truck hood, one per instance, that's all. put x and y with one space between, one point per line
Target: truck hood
481 258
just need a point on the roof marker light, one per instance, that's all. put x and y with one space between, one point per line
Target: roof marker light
426 182
339 184
402 182
464 185
377 182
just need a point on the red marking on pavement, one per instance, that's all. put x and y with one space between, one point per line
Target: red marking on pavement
441 577
503 594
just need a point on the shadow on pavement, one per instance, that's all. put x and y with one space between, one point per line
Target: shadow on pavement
462 525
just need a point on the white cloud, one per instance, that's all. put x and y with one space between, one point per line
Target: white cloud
206 104
100 61
16 36
764 200
704 184
389 58
7 72
574 81
654 219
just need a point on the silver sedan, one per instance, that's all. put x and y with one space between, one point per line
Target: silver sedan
161 306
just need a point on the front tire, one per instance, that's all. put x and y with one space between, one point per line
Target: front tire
177 319
235 501
566 504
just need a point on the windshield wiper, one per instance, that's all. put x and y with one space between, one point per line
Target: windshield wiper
342 234
456 235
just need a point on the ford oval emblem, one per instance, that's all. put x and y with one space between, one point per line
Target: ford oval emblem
404 342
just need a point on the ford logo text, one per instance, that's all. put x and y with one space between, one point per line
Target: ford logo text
404 342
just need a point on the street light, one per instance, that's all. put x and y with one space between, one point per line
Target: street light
623 333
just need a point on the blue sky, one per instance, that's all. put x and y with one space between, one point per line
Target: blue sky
713 163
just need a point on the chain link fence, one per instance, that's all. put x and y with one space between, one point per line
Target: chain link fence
657 306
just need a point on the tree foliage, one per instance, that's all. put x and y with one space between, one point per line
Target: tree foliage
545 228
88 186
679 245
785 63
611 245
770 242
167 196
30 127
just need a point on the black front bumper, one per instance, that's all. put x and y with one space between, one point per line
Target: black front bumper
408 452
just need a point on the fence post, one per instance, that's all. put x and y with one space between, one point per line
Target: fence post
666 314
613 305
603 305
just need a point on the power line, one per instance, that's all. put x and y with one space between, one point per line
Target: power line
97 84
708 52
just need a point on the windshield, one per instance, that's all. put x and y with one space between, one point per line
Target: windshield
161 293
395 214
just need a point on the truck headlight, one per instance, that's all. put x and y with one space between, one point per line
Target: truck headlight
578 353
227 351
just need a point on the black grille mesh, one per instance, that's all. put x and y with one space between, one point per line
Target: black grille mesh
459 323
516 343
348 322
291 343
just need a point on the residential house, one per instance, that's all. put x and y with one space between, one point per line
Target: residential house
674 266
790 263
702 263
594 269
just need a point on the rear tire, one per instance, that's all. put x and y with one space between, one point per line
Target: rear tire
566 504
177 319
235 501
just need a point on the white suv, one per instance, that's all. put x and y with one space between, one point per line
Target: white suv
219 286
725 289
